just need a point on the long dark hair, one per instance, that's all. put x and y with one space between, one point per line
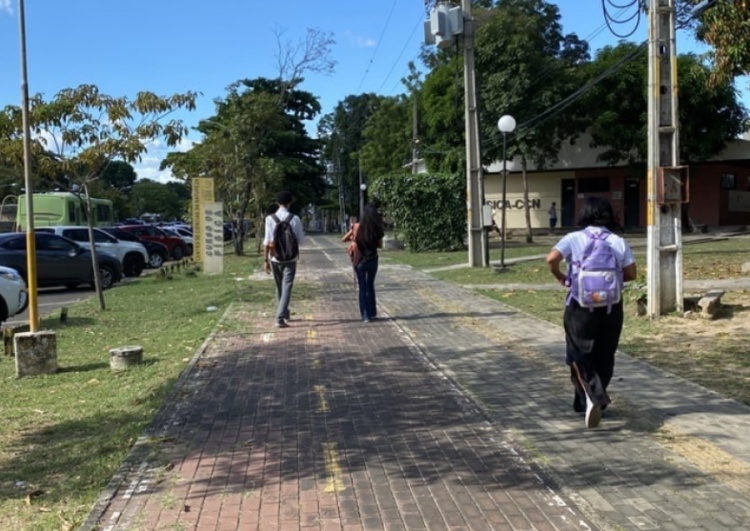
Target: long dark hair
370 230
597 212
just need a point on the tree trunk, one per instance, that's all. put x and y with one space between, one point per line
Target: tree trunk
92 242
526 207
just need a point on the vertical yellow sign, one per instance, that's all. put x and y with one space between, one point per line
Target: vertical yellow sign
203 192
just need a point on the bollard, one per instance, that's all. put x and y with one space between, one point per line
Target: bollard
122 358
63 315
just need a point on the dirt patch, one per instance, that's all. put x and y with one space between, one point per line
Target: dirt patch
712 352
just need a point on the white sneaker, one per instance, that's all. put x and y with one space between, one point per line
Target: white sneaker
593 413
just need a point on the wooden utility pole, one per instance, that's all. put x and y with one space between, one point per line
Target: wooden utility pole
665 177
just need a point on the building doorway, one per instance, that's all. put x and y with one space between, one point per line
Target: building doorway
568 203
632 203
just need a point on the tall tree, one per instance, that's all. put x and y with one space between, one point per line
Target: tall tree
257 142
165 199
387 137
526 67
119 174
442 143
726 27
80 131
710 115
342 131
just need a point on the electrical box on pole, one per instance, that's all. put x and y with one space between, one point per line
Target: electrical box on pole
667 180
444 24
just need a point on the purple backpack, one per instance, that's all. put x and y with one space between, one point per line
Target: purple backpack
597 280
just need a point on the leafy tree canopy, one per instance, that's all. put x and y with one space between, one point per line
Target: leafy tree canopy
617 107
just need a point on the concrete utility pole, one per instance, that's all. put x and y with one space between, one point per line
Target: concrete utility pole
667 181
474 182
444 24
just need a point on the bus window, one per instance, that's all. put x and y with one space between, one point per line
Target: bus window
72 213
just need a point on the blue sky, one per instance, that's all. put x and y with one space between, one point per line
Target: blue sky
169 46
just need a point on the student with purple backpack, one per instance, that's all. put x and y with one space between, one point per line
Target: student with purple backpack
599 262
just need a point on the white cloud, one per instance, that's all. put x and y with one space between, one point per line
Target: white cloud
6 6
366 42
148 167
362 42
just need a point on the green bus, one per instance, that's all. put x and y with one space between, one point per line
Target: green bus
64 208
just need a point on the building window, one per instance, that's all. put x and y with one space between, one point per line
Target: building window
593 185
728 182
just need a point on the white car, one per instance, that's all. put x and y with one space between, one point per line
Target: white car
14 296
132 255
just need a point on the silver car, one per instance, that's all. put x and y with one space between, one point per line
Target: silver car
14 296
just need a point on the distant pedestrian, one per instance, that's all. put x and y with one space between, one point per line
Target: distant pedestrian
366 238
552 213
598 263
281 256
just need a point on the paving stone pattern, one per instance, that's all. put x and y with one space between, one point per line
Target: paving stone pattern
451 411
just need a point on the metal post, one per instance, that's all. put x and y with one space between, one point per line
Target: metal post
342 207
414 133
664 254
30 241
505 177
474 183
361 192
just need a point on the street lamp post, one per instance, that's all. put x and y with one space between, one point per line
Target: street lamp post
506 124
362 190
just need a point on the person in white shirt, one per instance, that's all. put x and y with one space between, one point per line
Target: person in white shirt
592 334
283 272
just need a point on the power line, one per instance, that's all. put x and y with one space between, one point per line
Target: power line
556 109
377 45
419 23
611 20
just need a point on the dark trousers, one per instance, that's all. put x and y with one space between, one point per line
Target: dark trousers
366 271
591 339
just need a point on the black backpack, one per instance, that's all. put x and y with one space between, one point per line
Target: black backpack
285 245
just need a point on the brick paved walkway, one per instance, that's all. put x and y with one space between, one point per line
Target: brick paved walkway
452 411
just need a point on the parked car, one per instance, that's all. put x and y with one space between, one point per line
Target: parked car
132 255
157 252
14 296
176 246
185 234
59 261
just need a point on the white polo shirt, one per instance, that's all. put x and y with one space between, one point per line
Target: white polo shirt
282 213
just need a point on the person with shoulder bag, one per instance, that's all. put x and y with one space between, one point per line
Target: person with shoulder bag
599 262
365 238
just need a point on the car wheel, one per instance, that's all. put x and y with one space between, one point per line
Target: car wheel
106 276
177 253
189 250
155 260
3 310
132 266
